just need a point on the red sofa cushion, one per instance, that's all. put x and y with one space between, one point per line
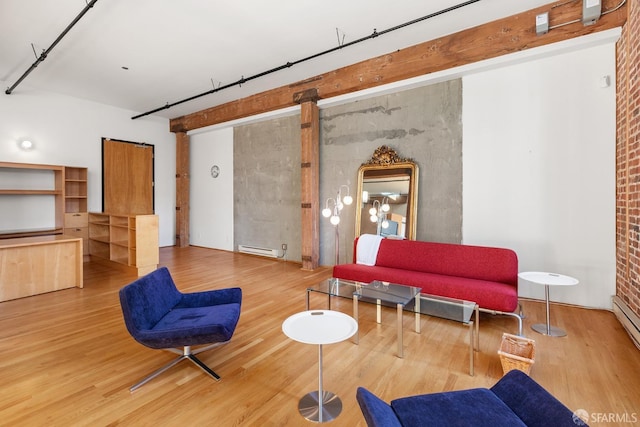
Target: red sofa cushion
487 294
472 262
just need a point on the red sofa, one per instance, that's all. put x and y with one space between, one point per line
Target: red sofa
485 275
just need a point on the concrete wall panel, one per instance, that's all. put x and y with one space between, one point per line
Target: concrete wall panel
424 124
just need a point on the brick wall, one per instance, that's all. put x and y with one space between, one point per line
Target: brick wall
628 161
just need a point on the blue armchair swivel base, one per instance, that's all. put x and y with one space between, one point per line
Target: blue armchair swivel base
515 400
185 354
159 316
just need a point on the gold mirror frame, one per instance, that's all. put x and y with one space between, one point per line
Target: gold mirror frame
386 165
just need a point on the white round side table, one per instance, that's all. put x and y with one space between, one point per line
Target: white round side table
548 279
320 327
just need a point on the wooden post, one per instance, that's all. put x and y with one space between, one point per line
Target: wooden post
309 176
182 189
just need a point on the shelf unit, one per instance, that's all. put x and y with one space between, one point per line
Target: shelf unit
66 184
75 189
48 182
129 242
76 222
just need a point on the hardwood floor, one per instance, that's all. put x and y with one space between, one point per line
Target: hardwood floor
66 358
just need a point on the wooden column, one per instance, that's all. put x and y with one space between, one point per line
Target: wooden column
309 176
182 189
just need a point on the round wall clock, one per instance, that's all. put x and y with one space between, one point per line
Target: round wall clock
215 171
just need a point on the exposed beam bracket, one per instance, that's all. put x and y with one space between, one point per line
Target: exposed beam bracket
308 95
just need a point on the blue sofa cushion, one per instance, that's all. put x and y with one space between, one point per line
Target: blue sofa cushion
455 408
147 308
377 413
200 325
532 403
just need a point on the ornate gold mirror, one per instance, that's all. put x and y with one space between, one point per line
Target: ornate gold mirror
387 195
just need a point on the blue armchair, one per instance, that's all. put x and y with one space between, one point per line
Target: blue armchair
515 400
159 316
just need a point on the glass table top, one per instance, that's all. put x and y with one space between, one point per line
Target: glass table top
336 287
387 292
384 291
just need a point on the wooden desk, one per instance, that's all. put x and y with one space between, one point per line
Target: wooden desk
35 265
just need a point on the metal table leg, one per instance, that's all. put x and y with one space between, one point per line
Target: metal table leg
355 316
547 329
400 344
320 406
417 313
471 349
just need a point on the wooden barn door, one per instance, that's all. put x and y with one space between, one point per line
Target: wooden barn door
127 177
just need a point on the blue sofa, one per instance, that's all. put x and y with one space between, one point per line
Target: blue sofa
515 400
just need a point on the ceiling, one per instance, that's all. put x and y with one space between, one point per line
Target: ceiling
173 50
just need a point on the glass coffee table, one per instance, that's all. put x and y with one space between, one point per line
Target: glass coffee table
377 292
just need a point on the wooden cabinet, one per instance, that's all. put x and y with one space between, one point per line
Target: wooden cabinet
129 242
77 225
76 218
35 265
62 196
38 203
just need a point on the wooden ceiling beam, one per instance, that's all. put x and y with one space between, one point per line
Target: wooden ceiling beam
494 39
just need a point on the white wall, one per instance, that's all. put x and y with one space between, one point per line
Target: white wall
211 199
539 169
68 131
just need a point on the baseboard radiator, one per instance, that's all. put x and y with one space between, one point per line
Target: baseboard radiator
255 250
630 321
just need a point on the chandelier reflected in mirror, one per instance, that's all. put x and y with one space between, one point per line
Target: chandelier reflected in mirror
378 213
